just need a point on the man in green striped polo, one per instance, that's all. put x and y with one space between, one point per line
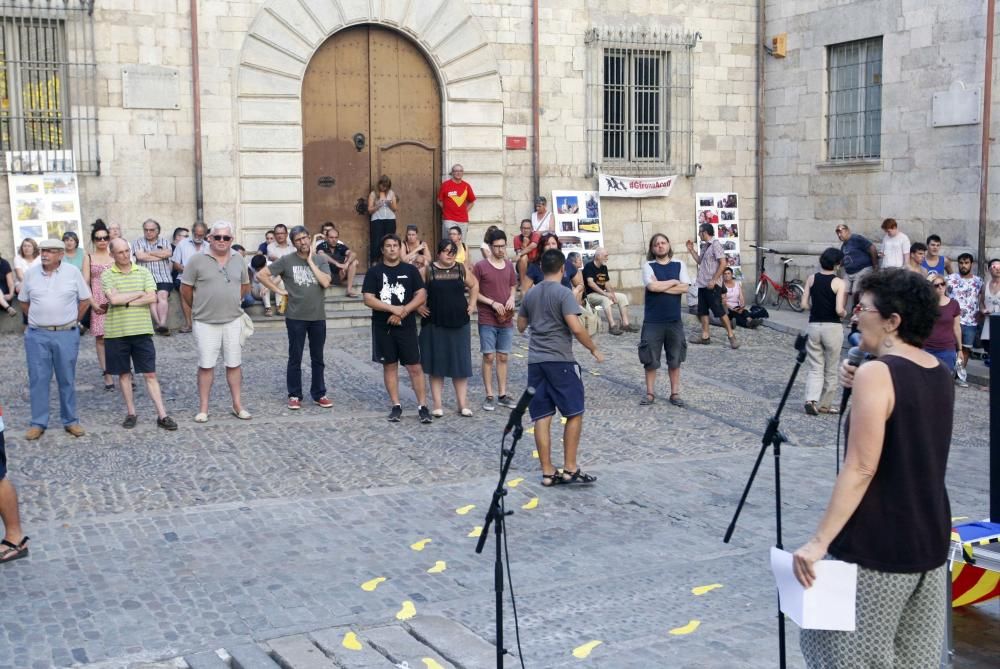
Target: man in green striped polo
128 331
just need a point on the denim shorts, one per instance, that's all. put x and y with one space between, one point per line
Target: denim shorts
948 357
558 385
968 335
493 339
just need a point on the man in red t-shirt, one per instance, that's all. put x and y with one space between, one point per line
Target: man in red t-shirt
497 285
455 197
526 246
15 544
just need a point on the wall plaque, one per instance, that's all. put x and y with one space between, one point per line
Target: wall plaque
150 87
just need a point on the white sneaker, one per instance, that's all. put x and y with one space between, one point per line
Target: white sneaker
961 373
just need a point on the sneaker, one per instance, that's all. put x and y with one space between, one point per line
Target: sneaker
324 403
163 331
396 413
488 404
506 401
75 430
167 423
425 415
130 421
962 374
294 403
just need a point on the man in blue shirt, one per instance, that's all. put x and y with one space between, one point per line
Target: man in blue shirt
860 259
666 280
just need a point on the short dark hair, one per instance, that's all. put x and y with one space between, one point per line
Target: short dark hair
909 294
455 227
298 230
523 221
830 258
916 247
282 226
707 229
258 261
177 231
965 256
413 227
495 234
992 260
386 238
326 224
553 261
889 224
652 240
445 244
545 237
238 247
933 238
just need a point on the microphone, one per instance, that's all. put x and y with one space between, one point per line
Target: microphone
855 356
517 413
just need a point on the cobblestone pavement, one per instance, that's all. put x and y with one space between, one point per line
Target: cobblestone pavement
152 545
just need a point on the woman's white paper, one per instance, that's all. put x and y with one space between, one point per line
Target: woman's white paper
828 604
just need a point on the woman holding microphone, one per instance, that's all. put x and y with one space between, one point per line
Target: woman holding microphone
889 511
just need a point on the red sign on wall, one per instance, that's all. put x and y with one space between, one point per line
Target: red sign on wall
517 143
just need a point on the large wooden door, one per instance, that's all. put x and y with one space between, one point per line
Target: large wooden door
370 106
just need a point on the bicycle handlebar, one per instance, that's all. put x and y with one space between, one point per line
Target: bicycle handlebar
763 248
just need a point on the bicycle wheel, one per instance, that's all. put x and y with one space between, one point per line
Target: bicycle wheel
760 293
794 295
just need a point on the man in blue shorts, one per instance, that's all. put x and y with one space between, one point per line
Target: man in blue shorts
554 316
15 544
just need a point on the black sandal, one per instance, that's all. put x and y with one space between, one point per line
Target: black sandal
549 480
649 399
577 477
10 552
676 400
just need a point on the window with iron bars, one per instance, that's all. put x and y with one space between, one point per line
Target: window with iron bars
854 100
639 101
48 112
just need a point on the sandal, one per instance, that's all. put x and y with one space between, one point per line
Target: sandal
676 400
811 409
10 551
185 330
830 410
577 477
268 311
698 339
549 480
649 399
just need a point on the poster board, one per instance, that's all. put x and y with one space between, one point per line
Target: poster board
44 206
722 211
578 221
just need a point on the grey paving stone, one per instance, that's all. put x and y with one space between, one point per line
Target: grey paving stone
455 642
299 652
206 660
399 646
250 656
331 642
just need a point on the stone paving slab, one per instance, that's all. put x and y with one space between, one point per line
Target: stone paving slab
149 545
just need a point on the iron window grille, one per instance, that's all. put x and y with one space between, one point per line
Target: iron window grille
854 113
48 72
639 100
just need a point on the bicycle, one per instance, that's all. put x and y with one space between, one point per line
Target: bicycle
790 291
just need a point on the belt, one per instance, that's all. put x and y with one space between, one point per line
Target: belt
56 328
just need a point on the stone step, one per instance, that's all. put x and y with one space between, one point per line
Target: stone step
420 642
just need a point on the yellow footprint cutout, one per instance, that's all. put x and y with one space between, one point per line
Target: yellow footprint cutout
594 373
476 531
687 629
704 589
462 510
351 642
534 454
562 419
438 567
581 652
518 355
431 663
513 483
369 586
957 518
407 612
420 545
531 504
530 430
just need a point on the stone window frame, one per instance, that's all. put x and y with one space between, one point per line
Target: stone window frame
853 118
621 140
48 88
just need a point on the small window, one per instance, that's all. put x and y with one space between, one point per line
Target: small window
854 112
48 115
639 101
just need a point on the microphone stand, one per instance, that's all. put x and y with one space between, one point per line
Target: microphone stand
495 515
773 437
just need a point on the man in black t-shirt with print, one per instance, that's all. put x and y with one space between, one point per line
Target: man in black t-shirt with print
393 290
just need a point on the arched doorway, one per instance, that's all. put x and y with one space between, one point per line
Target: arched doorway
371 105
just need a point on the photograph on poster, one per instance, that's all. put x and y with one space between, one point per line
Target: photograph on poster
727 215
708 216
570 242
63 206
727 231
707 201
27 188
33 231
727 201
591 245
589 225
60 185
733 259
729 245
568 225
29 210
568 204
591 206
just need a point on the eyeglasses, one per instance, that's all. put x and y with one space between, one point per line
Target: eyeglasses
222 238
864 307
499 246
101 238
300 238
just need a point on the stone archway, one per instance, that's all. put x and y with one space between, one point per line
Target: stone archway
279 45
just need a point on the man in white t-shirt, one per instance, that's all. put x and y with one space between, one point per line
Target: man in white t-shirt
895 245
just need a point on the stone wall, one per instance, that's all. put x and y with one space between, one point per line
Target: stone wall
927 177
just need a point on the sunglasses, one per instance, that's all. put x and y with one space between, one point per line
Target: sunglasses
939 285
222 238
101 238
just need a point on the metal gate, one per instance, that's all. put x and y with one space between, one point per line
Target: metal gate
371 105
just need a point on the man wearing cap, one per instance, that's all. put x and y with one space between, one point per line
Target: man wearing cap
54 297
541 218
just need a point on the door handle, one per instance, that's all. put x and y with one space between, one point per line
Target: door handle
359 141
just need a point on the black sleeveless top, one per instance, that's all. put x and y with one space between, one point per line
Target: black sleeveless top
903 523
822 299
446 296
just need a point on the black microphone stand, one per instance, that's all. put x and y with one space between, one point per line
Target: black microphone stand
774 437
495 515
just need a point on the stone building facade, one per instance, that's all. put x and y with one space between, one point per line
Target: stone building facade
254 56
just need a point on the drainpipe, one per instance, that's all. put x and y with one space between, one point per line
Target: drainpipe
535 170
199 195
759 173
984 173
